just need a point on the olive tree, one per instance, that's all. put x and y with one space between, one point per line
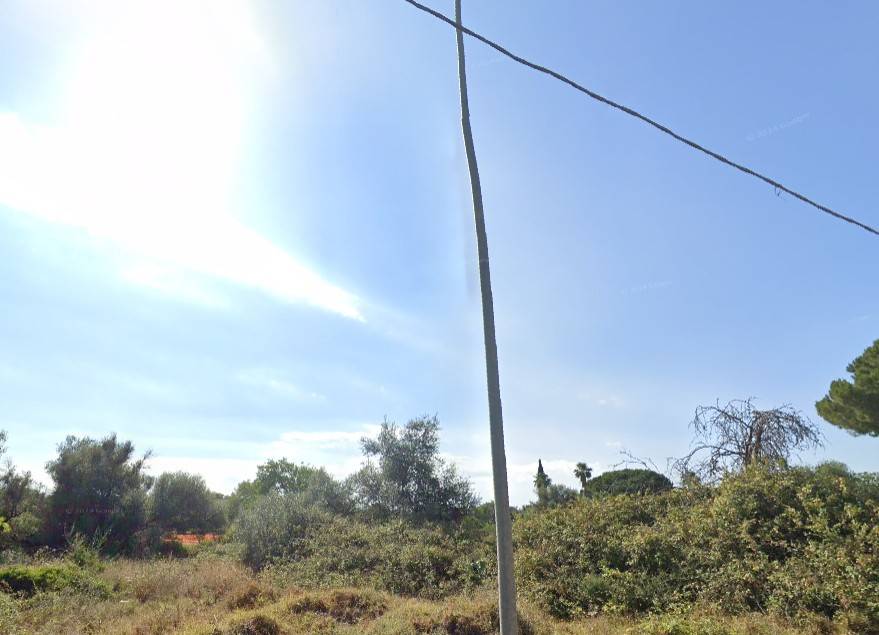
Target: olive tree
405 476
100 491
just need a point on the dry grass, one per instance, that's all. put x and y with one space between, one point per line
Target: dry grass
217 596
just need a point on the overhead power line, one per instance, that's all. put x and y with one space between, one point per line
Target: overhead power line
634 113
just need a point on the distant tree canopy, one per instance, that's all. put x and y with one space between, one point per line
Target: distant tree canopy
21 500
559 494
408 478
311 485
627 481
731 437
854 405
100 491
181 502
549 493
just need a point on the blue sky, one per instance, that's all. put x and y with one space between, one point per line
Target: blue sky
244 231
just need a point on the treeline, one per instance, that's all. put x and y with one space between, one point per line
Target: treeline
742 530
102 492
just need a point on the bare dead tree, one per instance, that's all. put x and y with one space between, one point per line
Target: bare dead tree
728 438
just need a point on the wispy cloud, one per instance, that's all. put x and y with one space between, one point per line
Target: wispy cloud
324 439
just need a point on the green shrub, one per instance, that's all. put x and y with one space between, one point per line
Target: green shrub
28 580
419 561
277 528
800 543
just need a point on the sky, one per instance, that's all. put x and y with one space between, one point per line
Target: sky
236 231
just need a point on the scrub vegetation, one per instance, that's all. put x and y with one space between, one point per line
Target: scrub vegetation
738 541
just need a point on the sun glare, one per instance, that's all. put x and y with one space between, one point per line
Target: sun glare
149 143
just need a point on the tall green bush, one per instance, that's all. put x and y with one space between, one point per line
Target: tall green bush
182 502
100 492
797 542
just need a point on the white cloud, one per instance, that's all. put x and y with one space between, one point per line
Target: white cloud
147 147
338 451
325 438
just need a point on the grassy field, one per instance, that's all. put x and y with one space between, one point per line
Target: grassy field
212 594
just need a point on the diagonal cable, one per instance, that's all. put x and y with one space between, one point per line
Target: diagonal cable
634 113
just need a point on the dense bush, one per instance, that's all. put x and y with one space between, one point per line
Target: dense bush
100 492
182 502
627 481
313 548
797 542
277 527
28 580
311 485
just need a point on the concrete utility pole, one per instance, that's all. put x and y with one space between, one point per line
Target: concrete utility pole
503 523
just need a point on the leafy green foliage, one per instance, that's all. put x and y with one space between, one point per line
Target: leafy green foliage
100 491
395 556
182 502
854 405
796 542
583 473
22 504
28 580
542 483
627 481
409 479
275 527
311 485
558 494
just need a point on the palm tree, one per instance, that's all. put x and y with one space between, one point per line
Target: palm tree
583 473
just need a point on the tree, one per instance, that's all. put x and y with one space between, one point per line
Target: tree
100 491
409 478
559 494
627 481
21 501
246 494
182 502
542 483
854 405
583 473
313 484
729 438
548 493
